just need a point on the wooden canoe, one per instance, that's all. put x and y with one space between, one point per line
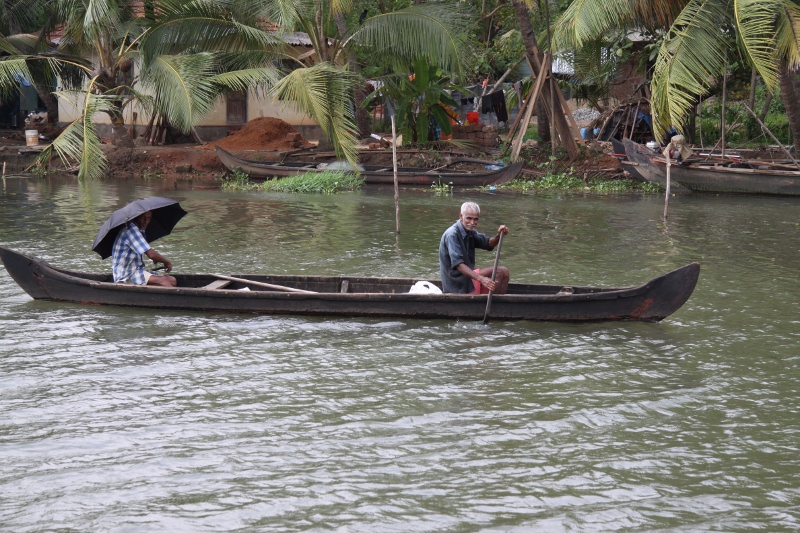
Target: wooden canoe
358 296
710 176
371 173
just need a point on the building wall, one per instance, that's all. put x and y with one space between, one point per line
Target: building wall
214 124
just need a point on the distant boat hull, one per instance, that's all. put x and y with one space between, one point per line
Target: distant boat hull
358 296
710 178
373 174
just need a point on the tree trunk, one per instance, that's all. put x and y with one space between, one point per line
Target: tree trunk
790 94
535 58
542 122
48 98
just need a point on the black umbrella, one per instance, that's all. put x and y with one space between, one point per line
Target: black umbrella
166 213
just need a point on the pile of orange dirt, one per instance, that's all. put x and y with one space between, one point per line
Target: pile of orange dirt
263 133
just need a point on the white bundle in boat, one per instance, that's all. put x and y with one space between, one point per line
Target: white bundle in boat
425 287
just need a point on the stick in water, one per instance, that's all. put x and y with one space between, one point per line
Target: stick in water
494 275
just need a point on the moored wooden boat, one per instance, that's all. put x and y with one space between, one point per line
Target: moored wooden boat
713 176
371 173
357 296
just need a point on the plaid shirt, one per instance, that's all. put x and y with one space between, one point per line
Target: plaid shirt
126 256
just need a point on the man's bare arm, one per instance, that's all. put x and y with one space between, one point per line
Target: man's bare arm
494 240
471 274
157 257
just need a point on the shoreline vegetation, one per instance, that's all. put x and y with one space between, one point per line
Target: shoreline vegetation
331 182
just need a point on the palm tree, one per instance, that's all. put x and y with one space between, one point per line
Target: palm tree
694 47
187 53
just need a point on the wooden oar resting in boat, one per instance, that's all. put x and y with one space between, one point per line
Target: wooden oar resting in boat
373 174
356 296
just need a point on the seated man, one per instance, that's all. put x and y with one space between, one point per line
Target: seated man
126 256
457 256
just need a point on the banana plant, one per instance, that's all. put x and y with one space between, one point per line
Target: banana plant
420 100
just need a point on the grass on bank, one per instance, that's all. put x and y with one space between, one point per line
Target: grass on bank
326 182
566 182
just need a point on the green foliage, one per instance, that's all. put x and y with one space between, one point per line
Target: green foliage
695 48
326 182
420 101
238 180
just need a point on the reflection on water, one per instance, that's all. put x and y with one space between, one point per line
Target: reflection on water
134 420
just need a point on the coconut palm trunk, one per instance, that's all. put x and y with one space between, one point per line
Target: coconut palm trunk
790 94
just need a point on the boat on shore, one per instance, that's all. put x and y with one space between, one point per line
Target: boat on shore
712 175
352 296
372 173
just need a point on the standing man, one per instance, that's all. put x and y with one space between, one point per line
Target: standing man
457 256
126 256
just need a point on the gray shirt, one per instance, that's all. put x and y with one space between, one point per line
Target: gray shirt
458 246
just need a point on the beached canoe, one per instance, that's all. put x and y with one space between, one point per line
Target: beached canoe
750 177
371 173
356 296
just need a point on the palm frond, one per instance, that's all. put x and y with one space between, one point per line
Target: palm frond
324 93
12 70
787 38
755 22
79 143
690 58
205 25
585 20
183 85
432 31
258 79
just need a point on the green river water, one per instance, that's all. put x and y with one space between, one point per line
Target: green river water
126 420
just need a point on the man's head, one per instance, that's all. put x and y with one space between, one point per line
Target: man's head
470 214
143 220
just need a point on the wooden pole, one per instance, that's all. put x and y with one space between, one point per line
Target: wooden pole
396 188
494 275
724 94
537 91
763 126
666 200
522 107
260 284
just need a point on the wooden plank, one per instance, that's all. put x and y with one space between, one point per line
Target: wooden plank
260 284
220 283
523 127
345 286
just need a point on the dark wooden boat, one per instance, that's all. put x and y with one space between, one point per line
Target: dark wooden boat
357 296
372 174
713 175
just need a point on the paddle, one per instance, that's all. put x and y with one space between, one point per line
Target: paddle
494 275
260 284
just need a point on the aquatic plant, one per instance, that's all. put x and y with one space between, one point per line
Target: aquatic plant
238 180
326 182
442 189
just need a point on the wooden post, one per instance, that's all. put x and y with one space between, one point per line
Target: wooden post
537 91
724 94
666 200
763 126
394 166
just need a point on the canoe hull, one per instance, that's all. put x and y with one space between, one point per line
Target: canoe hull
374 175
375 297
708 178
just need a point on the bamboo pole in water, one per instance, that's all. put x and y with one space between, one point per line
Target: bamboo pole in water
396 189
724 94
666 200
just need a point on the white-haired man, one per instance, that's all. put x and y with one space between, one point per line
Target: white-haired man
457 256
